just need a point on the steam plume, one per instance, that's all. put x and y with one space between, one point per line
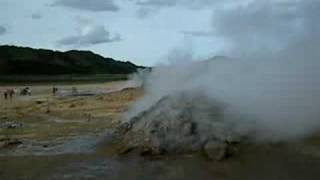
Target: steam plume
271 78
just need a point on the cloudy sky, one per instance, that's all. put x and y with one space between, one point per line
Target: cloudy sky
150 31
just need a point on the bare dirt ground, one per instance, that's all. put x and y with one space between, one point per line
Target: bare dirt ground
44 117
59 137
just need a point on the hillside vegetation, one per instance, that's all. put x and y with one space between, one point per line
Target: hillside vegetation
28 61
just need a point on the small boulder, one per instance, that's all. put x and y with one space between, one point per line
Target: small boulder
215 150
11 125
14 126
122 129
7 143
40 101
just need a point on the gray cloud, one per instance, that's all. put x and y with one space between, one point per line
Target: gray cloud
36 16
89 5
197 33
145 12
3 30
184 3
159 3
150 7
95 35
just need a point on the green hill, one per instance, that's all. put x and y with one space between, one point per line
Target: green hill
28 61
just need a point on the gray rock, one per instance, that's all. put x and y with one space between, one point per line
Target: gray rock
11 125
189 129
216 151
7 143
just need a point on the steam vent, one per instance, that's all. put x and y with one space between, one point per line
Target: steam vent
180 123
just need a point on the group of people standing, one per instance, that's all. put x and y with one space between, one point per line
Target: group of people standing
8 94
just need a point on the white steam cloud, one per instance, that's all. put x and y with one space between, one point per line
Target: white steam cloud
271 78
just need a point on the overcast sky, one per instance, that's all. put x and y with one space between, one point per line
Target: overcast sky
147 32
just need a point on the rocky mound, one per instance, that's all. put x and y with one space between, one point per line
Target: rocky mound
181 123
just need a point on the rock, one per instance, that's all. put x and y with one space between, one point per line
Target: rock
11 125
189 129
122 129
148 151
7 143
4 118
216 151
40 101
145 151
125 150
14 142
45 145
14 126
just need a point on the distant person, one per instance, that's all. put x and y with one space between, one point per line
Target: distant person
5 94
54 90
11 93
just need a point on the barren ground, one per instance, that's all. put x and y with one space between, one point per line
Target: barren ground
45 117
62 138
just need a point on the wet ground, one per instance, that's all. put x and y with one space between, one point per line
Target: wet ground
251 162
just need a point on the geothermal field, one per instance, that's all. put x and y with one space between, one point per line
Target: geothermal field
99 133
159 90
